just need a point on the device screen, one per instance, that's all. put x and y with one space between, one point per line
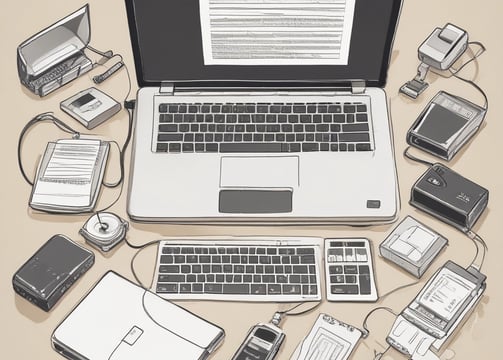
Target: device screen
446 294
440 124
259 345
84 99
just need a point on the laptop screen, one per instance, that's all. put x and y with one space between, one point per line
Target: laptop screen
250 42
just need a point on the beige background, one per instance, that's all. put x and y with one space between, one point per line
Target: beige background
27 330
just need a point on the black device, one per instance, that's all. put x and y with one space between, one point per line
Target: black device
98 79
46 276
449 196
262 343
445 125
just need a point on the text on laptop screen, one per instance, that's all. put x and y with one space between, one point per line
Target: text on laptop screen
294 41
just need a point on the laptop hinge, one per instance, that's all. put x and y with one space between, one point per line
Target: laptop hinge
167 88
358 86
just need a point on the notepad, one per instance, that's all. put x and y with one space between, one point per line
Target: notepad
69 176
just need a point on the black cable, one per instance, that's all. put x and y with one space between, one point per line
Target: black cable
139 249
48 116
473 58
109 55
415 159
288 312
472 83
366 331
454 72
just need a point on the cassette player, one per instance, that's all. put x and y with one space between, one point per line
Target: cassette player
445 125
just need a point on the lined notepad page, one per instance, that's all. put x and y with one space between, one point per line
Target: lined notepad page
66 179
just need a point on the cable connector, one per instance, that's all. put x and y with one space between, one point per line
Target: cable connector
130 104
277 318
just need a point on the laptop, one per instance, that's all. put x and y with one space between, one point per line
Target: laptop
117 319
262 112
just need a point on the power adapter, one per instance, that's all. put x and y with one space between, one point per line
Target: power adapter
449 197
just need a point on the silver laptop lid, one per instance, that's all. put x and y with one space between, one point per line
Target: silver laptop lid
262 43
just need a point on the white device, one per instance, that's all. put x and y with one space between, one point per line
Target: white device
257 187
437 311
440 50
443 47
239 268
118 319
91 107
349 270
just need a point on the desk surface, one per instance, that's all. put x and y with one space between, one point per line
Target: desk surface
27 329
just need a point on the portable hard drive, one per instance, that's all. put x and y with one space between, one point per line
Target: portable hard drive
445 125
449 197
90 107
46 276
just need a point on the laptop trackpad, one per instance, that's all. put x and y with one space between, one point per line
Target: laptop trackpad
257 185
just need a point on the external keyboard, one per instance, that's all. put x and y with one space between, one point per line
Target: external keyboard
277 270
263 127
60 74
349 272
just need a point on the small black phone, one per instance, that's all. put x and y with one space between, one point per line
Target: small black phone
262 342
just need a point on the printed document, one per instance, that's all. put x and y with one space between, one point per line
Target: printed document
276 32
69 175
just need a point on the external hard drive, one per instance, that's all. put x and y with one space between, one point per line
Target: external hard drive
46 276
445 125
449 196
90 107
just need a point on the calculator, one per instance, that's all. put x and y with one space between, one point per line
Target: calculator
349 270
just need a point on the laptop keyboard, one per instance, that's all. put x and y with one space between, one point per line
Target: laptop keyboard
248 272
263 127
349 270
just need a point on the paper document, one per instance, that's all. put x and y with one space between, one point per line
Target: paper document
69 174
276 32
72 162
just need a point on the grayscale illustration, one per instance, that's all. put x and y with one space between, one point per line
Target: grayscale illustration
196 166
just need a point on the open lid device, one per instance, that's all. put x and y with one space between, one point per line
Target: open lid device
168 42
54 44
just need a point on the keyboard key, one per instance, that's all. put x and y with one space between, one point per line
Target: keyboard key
166 288
344 289
354 137
355 127
213 288
252 147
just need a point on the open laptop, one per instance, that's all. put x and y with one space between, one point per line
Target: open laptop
262 112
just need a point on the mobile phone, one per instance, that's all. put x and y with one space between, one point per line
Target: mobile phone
444 298
262 342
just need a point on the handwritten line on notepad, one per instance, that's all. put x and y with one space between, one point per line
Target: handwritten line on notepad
72 162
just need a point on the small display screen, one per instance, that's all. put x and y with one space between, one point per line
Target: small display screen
84 99
265 335
440 124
